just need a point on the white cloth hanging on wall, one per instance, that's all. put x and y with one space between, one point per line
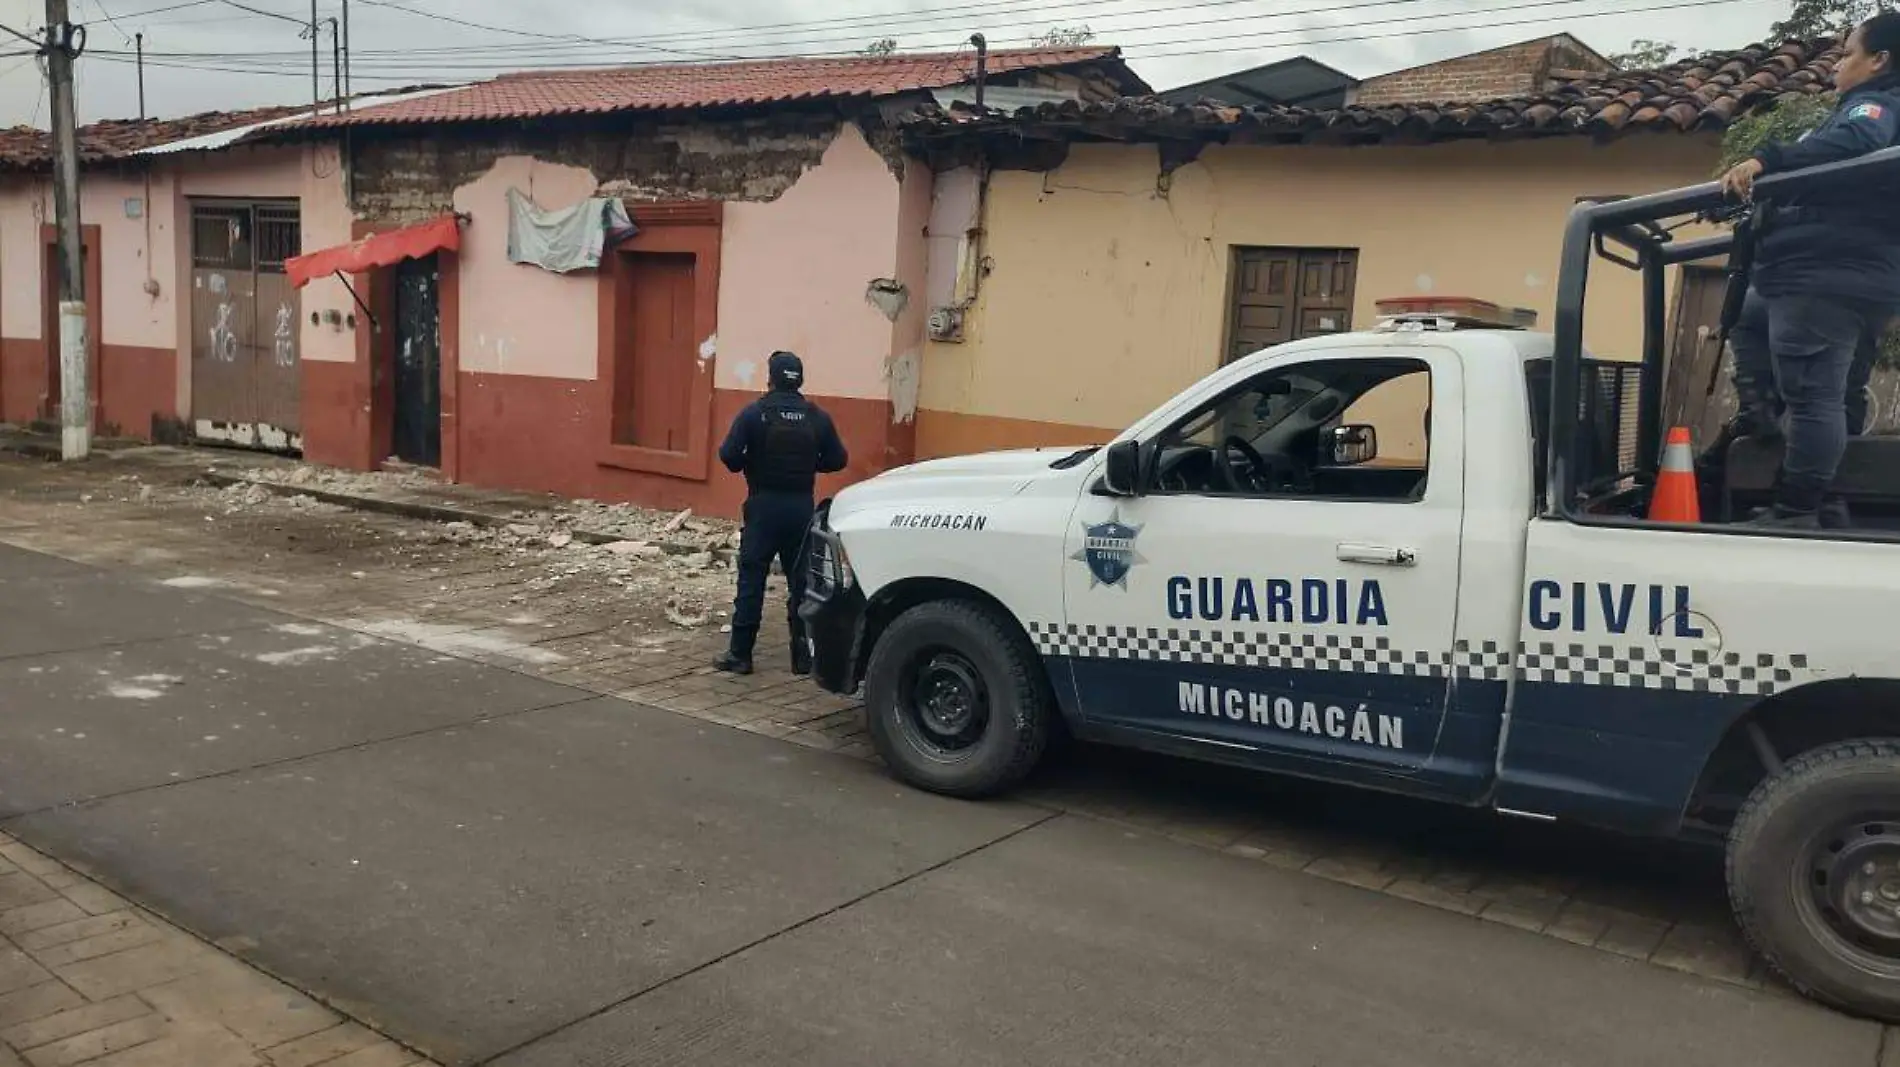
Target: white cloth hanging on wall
565 240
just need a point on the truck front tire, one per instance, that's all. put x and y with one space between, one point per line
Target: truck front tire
957 701
1814 874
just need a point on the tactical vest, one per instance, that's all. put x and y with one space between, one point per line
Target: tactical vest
787 457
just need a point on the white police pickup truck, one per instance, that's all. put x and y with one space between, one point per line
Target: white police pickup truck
1467 605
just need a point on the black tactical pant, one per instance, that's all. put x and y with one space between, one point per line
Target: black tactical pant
1755 389
1809 357
774 528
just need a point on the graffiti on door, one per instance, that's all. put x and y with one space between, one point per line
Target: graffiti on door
283 338
224 342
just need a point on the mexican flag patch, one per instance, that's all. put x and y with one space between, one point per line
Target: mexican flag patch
1869 110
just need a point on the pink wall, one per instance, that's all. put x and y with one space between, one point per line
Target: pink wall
128 314
519 319
794 271
22 208
793 274
326 223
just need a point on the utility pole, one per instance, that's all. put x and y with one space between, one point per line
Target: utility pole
141 46
336 67
316 65
346 50
75 407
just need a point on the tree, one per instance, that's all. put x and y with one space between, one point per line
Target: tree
883 46
1063 37
1645 54
1822 18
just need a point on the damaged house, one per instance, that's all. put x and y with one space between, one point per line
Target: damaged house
564 281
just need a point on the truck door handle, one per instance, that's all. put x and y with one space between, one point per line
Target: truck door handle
1384 555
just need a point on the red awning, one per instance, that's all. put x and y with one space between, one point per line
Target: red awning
377 250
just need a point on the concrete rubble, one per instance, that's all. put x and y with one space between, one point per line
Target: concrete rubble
674 569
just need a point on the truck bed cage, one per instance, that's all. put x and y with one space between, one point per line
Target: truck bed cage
1637 226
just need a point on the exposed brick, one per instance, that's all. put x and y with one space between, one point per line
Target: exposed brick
402 179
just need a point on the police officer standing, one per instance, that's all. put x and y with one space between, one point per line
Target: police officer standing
781 442
1826 277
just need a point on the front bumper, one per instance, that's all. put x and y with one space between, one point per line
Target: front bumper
832 609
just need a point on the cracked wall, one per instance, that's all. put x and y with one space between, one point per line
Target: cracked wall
412 177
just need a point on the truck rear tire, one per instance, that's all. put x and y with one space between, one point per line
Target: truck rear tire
1814 874
957 700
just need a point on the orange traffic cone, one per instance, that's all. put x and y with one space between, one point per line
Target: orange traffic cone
1676 498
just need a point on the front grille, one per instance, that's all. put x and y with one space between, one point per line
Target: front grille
824 572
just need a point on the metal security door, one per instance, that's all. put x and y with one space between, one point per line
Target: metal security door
245 375
418 379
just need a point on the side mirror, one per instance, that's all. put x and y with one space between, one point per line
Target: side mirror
1121 474
1353 444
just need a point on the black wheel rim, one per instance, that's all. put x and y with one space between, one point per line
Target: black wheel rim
1852 899
945 703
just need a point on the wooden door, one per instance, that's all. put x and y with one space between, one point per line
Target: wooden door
654 407
1284 294
417 433
1694 356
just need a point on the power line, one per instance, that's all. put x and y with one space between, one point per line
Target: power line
169 7
413 74
418 66
267 14
34 41
519 33
408 64
1687 4
732 36
110 21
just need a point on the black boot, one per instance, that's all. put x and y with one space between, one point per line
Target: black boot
1781 518
1834 514
738 657
801 658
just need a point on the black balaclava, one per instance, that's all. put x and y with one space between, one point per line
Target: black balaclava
785 371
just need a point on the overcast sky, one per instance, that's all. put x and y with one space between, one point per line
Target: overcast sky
266 59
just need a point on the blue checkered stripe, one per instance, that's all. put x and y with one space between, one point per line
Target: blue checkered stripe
1637 666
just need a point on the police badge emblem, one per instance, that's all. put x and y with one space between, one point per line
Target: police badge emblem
1108 549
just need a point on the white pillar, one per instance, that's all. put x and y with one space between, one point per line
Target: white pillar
75 405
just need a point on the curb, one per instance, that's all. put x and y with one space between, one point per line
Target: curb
416 509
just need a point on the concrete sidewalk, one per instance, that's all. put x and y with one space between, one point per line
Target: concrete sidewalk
86 977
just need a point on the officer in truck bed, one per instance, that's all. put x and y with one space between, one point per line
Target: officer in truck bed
1826 274
781 442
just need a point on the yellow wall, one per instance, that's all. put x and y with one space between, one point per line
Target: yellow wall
1107 295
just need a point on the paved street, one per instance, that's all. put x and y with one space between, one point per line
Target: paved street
484 802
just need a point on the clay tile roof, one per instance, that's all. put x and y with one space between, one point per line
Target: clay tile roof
25 147
681 86
1696 95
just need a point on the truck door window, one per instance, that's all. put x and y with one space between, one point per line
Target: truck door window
1350 429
